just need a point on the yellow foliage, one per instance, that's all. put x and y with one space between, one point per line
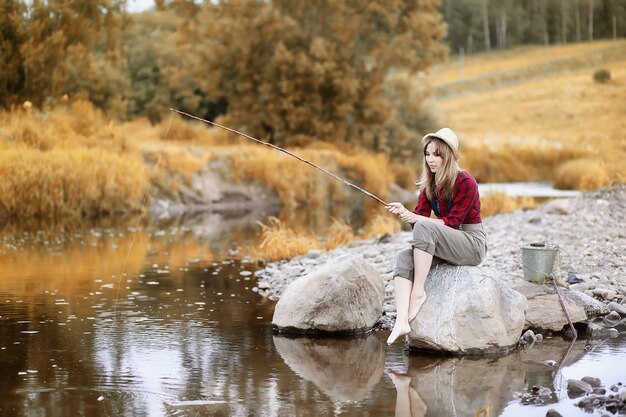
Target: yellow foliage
281 242
587 174
69 182
176 162
298 183
405 175
339 234
380 225
191 131
499 202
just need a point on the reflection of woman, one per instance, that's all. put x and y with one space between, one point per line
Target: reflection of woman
408 401
456 236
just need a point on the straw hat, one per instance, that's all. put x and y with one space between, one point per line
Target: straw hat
448 136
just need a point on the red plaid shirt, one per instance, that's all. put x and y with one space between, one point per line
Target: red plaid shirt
464 207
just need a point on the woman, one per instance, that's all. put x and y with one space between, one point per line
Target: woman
456 236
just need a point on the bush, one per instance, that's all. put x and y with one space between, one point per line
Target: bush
602 76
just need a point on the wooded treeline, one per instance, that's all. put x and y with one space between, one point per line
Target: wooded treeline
290 72
480 25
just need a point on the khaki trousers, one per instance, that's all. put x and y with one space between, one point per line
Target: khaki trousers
466 246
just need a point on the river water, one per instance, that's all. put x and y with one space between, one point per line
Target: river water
183 333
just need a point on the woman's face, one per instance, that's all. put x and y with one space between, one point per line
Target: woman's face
433 159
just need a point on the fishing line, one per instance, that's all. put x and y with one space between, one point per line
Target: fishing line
132 242
278 148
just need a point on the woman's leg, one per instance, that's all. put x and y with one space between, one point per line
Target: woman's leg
423 261
402 291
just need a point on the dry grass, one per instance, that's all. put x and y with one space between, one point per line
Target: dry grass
380 225
591 173
281 242
68 161
298 183
539 129
498 202
483 64
64 182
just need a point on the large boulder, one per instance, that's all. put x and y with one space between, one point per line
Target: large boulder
345 296
544 309
468 310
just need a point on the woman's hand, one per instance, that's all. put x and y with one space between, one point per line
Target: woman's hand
402 212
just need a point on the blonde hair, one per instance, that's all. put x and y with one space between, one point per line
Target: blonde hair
441 183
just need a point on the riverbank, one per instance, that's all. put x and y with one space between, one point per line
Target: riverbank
586 228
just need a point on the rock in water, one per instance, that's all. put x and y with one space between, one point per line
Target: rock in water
544 309
594 382
576 388
468 310
345 296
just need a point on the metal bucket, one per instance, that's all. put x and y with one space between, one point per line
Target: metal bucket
538 261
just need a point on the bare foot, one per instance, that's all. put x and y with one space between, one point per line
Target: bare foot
400 329
415 305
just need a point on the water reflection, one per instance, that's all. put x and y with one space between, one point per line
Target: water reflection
185 335
466 386
344 369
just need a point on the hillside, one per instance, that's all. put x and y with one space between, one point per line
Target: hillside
558 124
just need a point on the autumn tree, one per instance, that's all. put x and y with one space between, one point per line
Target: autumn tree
72 48
298 72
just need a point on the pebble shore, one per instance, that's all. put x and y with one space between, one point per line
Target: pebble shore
589 230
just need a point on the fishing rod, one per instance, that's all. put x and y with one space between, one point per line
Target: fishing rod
278 148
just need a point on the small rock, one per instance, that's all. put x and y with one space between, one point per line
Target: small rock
582 287
538 337
386 238
573 279
599 391
313 253
576 388
553 413
549 363
594 382
598 332
263 285
529 336
612 318
558 206
617 308
569 333
622 395
293 271
601 292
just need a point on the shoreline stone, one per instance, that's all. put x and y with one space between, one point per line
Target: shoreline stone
592 249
